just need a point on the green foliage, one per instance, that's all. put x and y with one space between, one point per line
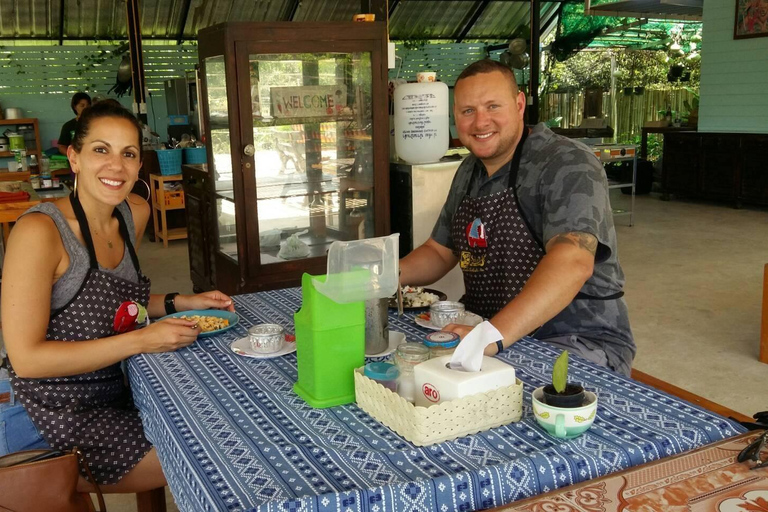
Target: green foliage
693 106
560 372
585 69
655 142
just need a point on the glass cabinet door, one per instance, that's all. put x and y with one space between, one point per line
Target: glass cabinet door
221 173
313 162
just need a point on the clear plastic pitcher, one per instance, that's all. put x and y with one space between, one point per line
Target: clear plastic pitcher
361 270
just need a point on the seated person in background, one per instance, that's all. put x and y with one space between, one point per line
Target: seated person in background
529 222
70 274
80 101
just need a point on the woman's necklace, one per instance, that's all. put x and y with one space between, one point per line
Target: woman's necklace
109 242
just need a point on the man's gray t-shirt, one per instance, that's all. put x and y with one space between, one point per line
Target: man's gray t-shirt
561 188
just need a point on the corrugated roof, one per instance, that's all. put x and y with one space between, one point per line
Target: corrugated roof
660 9
162 19
428 20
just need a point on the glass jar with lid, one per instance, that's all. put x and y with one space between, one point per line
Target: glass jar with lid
441 343
266 338
407 356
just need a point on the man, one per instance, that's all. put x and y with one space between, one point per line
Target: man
529 221
80 101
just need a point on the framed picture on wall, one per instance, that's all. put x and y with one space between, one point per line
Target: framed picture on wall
751 19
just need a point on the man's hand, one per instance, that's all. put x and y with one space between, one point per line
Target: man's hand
460 329
463 330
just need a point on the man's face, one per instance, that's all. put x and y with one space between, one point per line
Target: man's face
489 117
81 105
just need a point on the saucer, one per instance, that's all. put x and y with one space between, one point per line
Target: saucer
470 319
242 347
395 338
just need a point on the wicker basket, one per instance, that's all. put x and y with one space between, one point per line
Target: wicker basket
169 161
428 425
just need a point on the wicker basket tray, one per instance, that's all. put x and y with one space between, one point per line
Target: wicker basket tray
429 425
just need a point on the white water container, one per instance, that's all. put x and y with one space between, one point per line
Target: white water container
421 121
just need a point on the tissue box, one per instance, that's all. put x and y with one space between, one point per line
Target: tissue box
423 426
436 383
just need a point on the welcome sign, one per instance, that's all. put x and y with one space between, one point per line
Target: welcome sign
308 100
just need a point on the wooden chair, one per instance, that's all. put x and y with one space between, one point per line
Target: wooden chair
764 325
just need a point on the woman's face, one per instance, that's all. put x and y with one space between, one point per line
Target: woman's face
81 105
109 162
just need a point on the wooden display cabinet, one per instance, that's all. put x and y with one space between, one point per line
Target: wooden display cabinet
719 166
297 130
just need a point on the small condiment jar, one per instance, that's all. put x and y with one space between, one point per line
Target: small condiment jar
407 356
266 338
441 343
385 374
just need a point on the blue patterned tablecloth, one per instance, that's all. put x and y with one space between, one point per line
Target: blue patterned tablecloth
232 435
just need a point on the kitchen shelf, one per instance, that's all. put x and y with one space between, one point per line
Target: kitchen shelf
37 150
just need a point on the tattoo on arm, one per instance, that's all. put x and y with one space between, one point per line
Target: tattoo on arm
584 241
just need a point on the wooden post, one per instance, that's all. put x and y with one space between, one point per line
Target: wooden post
533 89
764 326
151 501
137 60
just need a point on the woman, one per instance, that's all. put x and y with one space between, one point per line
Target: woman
69 266
80 101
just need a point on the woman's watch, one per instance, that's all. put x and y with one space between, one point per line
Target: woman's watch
499 346
170 304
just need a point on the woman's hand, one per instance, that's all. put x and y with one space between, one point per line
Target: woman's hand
168 335
206 300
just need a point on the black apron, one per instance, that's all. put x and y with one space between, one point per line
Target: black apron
496 247
93 411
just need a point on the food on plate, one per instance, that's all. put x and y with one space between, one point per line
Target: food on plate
416 297
208 323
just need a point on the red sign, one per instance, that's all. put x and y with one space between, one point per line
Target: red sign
430 392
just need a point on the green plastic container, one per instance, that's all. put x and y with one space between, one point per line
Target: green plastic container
330 344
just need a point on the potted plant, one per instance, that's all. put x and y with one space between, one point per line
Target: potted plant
561 393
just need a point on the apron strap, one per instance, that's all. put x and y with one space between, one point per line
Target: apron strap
514 165
82 220
613 296
126 236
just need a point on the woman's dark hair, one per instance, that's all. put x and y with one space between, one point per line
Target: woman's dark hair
77 98
104 108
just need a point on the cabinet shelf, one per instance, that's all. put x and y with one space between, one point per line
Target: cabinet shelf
160 209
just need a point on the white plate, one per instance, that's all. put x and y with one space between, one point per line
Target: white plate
470 319
395 338
242 347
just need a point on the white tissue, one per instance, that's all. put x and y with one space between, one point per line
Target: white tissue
469 354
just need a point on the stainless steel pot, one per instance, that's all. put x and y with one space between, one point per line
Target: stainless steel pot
14 113
376 326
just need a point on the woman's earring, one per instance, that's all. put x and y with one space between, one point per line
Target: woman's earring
74 188
149 191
